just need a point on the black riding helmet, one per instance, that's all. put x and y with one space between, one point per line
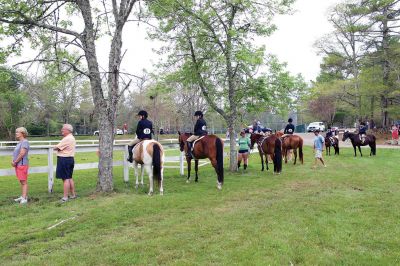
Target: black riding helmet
198 113
290 120
143 113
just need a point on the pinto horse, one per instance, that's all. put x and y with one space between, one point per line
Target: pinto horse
291 142
356 142
329 144
150 154
211 147
271 145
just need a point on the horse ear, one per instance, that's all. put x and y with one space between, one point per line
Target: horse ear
179 132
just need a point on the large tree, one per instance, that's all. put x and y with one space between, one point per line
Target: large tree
76 24
212 42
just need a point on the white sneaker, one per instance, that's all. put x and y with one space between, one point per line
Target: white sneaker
23 201
18 199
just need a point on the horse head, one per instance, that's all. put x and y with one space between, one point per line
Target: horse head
346 135
182 137
253 139
279 134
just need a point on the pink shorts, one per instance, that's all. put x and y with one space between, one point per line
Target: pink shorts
22 172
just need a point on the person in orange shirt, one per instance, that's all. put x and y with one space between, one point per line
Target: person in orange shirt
65 161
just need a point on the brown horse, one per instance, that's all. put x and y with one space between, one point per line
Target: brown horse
291 142
331 142
356 142
270 145
211 147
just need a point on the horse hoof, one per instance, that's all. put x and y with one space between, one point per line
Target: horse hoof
142 185
219 186
187 181
137 186
150 193
161 193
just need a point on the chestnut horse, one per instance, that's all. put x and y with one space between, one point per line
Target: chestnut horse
270 145
334 142
211 147
356 142
291 142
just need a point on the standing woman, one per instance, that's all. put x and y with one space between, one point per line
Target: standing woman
20 163
65 161
244 148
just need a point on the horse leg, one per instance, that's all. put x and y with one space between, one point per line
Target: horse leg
285 154
162 181
266 160
196 169
295 156
359 148
262 160
215 165
142 172
136 168
189 166
149 171
355 151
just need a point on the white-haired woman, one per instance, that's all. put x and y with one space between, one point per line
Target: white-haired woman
20 163
65 161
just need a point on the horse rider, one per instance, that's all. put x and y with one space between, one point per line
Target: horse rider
288 131
266 131
330 134
200 129
256 126
362 132
144 130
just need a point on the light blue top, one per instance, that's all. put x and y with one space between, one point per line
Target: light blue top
319 142
21 145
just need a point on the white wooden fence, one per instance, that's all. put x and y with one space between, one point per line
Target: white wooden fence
50 168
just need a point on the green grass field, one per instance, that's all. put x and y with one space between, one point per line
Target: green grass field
347 213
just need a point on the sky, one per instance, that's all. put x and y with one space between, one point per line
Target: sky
292 42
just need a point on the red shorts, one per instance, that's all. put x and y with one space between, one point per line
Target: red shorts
22 172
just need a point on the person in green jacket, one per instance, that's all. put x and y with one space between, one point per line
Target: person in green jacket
244 148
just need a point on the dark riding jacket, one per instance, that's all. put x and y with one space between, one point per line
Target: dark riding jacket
289 129
329 134
362 130
144 129
200 128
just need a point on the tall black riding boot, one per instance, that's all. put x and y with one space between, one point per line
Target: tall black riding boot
245 166
238 165
130 157
189 149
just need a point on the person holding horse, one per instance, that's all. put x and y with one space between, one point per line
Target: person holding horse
244 147
200 129
144 130
362 132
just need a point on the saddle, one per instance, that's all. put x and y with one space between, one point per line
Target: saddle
192 146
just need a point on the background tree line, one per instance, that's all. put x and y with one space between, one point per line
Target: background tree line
359 78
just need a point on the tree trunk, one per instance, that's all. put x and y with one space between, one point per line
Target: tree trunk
106 137
232 150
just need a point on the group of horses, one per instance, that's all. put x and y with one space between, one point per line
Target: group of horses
150 153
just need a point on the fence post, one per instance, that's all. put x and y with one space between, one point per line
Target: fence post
181 168
50 169
126 164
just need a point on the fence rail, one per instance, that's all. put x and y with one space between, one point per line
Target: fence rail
50 168
89 141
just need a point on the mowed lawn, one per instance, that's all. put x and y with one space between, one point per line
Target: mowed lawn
347 213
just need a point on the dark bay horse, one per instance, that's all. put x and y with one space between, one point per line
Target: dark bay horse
271 145
211 147
356 142
331 142
292 142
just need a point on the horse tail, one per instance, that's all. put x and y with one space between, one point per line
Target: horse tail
373 145
157 163
278 155
220 159
301 150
